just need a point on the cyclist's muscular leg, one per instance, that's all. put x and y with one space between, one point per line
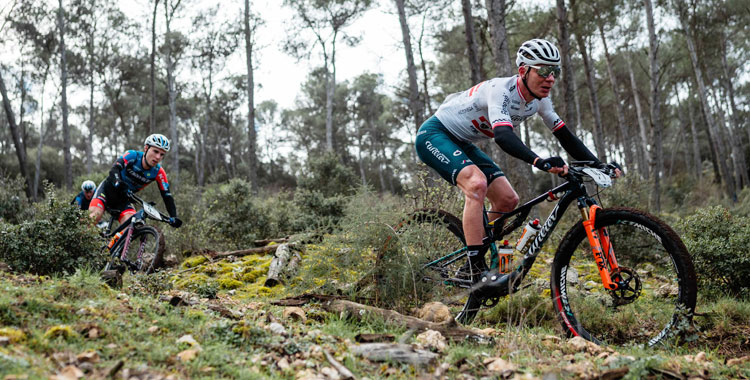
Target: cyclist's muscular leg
473 183
502 196
96 210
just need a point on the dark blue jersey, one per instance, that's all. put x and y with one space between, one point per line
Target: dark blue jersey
81 201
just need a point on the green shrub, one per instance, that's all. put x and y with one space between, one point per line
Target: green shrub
327 175
719 243
12 198
58 239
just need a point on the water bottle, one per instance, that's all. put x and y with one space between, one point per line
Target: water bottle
114 240
529 233
505 254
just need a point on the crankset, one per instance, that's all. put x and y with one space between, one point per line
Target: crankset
628 286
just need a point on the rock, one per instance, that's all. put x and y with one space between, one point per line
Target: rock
112 278
701 357
283 364
738 361
667 290
308 374
70 372
93 333
500 366
572 276
330 373
588 285
170 261
578 344
4 341
584 369
294 313
187 355
88 357
277 328
189 340
432 340
153 329
435 312
489 331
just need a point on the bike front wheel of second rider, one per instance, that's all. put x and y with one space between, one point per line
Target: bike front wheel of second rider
427 241
144 254
657 296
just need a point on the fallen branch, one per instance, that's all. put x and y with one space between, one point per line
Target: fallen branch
402 353
449 329
246 252
345 372
263 242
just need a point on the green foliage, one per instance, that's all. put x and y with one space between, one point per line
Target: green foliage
58 239
12 198
719 243
327 175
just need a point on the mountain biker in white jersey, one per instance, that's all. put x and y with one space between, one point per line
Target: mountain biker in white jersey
491 109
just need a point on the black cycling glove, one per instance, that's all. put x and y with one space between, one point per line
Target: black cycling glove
548 163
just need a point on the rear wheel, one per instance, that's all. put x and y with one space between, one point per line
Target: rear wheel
144 254
430 245
657 292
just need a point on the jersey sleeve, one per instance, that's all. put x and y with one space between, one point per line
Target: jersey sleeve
548 114
497 107
161 180
166 195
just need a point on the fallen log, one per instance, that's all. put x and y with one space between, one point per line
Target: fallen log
284 264
449 329
246 252
263 242
402 353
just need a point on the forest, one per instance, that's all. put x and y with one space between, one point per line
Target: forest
287 198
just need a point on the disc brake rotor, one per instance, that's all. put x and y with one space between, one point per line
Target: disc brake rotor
628 286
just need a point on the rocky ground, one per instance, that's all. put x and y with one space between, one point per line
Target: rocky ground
216 319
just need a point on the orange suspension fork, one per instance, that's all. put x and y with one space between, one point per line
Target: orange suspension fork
599 241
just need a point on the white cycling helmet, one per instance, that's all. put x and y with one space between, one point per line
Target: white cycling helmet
88 186
157 140
537 52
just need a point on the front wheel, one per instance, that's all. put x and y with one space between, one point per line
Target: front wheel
657 293
144 254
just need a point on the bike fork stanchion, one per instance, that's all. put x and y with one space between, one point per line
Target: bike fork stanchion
589 219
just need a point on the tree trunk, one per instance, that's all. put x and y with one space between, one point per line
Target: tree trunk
64 84
658 161
737 150
173 133
624 130
697 162
38 162
728 136
471 43
252 155
92 70
20 148
598 131
496 10
568 76
425 78
414 98
703 95
642 145
330 92
152 118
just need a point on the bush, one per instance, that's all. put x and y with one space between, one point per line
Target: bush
238 216
12 198
720 246
57 239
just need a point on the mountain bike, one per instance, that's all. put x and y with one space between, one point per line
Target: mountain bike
135 246
640 286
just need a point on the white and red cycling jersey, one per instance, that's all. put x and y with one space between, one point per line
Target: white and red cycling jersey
472 114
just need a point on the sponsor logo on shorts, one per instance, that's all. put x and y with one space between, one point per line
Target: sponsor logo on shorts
435 152
467 162
457 153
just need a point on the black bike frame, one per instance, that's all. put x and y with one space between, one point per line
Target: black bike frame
571 190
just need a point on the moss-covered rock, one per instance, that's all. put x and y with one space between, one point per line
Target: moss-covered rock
63 331
194 261
14 335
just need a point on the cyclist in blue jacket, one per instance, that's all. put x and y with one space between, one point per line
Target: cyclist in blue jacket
131 172
83 198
